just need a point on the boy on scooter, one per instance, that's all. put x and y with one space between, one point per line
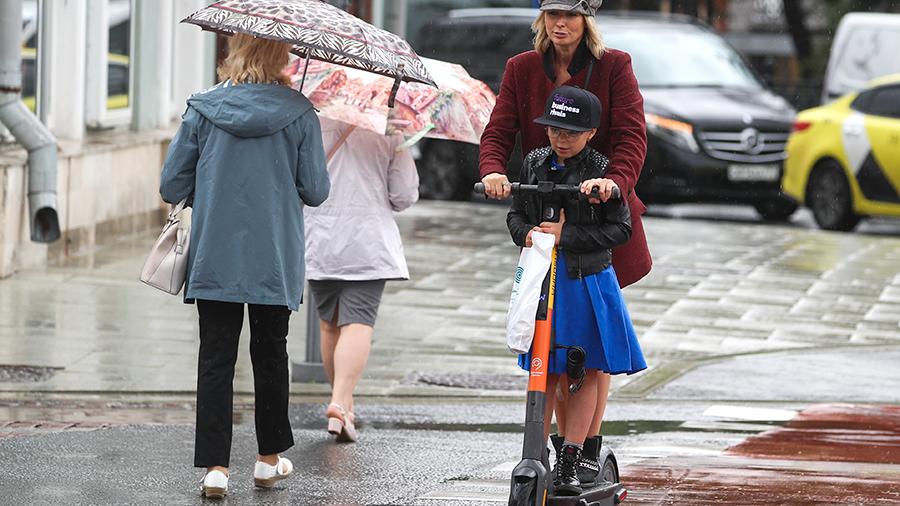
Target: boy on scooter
589 312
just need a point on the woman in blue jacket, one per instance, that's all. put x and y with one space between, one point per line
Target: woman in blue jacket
250 151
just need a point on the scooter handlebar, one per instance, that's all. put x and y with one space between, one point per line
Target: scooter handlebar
550 187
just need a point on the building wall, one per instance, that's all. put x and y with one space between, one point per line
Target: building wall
109 157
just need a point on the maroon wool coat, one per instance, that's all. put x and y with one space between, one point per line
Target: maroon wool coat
622 135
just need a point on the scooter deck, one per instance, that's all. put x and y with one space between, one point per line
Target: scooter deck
602 495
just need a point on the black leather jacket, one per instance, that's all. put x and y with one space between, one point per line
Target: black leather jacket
591 230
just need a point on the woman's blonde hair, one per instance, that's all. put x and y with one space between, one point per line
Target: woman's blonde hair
592 36
255 60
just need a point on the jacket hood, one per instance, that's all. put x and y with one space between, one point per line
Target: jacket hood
250 110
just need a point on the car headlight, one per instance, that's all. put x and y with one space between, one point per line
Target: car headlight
677 132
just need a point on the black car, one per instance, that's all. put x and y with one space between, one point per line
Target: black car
716 133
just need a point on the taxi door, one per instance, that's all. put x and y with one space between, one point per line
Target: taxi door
878 176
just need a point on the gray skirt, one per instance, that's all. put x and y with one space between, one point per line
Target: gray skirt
346 302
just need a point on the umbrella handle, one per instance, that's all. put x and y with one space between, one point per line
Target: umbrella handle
396 86
306 66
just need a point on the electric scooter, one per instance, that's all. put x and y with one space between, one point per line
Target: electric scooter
532 483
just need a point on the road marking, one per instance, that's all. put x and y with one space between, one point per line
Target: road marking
750 414
472 490
719 426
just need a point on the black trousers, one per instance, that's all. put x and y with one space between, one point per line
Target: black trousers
220 331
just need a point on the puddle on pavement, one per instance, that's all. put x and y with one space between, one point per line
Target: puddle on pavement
832 433
182 412
828 454
610 428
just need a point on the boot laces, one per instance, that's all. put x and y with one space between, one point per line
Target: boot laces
568 459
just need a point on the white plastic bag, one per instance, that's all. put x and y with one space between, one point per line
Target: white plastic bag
534 263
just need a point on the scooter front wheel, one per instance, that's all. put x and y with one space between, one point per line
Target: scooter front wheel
526 494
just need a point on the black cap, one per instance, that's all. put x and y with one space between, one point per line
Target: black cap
571 108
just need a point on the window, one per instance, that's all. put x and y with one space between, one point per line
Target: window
883 101
30 66
109 69
690 57
118 54
886 102
862 101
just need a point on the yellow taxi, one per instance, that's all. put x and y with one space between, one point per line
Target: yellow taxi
843 158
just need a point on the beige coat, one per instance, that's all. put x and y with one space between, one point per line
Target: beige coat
353 236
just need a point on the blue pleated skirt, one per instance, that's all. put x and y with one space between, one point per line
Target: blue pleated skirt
591 313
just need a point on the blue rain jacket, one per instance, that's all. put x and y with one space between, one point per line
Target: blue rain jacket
252 156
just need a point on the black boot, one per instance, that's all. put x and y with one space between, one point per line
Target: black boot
589 464
565 481
557 441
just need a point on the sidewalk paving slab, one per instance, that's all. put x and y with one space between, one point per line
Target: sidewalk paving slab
717 289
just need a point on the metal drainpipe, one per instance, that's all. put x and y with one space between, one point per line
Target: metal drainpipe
25 127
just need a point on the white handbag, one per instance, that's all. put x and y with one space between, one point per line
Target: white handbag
166 265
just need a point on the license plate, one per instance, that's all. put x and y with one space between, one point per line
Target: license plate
753 172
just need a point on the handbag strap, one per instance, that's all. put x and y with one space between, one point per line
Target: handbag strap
336 145
177 208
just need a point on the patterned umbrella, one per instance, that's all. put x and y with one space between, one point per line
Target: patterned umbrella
458 109
319 31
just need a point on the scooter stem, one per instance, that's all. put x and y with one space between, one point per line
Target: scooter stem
543 327
535 443
531 478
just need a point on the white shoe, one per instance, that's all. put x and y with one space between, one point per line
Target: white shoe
265 475
214 485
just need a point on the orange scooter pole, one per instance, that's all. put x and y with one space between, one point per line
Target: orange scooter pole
531 480
543 327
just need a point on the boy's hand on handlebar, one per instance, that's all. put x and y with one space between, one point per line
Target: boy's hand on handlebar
555 228
496 186
604 188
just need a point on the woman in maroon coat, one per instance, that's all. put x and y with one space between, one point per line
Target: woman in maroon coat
569 51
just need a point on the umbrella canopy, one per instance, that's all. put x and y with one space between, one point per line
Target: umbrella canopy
458 109
319 31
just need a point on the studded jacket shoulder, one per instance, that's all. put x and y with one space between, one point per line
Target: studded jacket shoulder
591 230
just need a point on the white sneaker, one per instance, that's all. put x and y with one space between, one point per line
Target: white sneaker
214 485
265 475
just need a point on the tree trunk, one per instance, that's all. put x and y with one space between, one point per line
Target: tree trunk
796 25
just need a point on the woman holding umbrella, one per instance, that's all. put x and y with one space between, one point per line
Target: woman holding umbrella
569 51
250 151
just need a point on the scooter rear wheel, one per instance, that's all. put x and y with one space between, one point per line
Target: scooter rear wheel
609 472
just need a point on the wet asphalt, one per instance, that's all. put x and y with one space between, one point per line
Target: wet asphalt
748 328
427 452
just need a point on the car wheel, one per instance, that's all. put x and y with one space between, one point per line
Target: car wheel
440 172
776 210
828 196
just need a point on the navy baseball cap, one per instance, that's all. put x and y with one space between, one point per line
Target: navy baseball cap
571 108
